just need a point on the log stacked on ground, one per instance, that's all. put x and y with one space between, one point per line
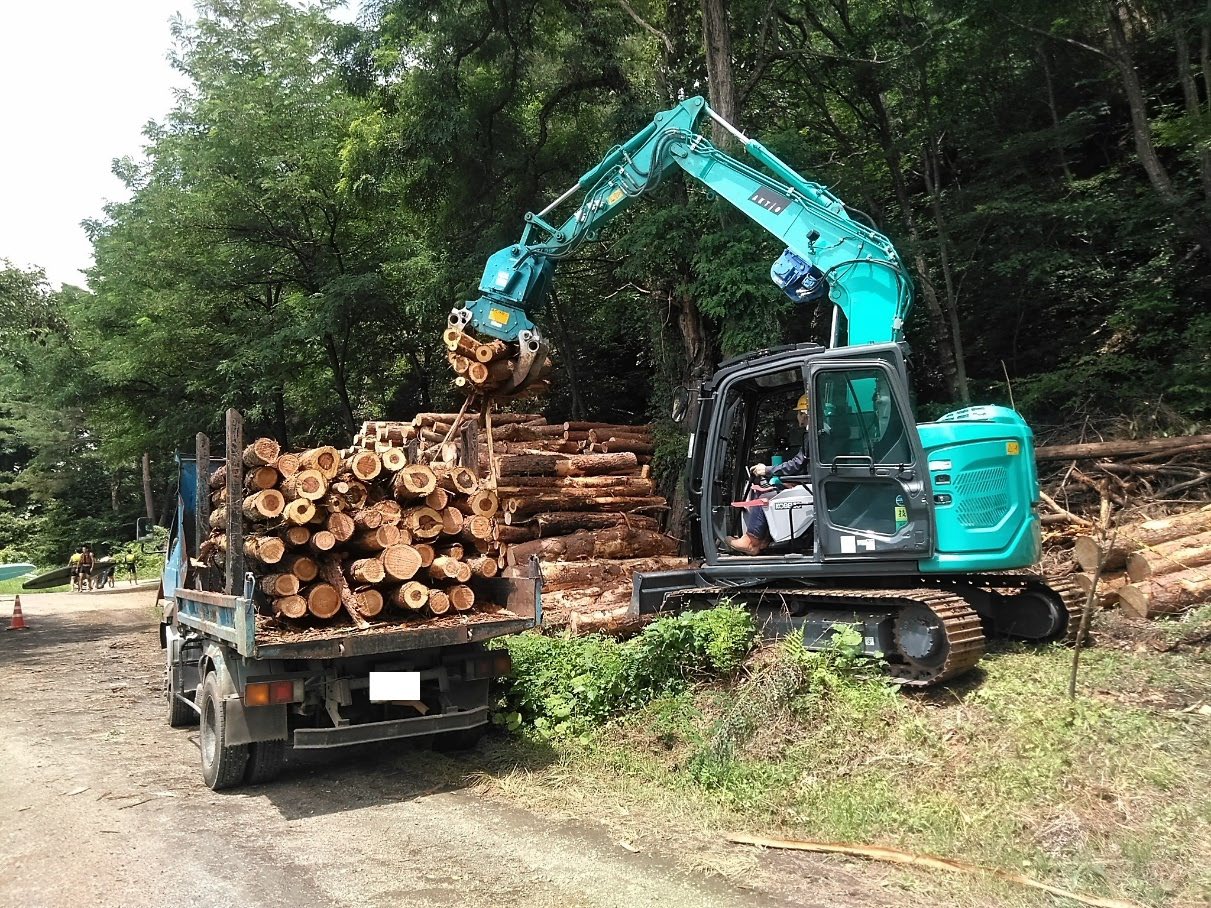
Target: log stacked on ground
1158 567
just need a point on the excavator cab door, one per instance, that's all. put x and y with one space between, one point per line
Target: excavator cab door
867 465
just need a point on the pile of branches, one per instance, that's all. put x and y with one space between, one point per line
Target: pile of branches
1154 557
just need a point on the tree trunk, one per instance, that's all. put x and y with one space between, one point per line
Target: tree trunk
721 84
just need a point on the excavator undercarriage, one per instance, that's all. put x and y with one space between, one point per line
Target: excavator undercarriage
925 631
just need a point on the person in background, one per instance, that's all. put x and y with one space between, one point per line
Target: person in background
131 562
87 562
74 561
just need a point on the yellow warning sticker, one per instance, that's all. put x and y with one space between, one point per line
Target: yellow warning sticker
615 197
1013 448
498 316
901 514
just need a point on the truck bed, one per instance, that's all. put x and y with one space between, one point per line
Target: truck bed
234 620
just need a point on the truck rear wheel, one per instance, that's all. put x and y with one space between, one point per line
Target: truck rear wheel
265 759
222 763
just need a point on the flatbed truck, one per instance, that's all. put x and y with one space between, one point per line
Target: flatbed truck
256 688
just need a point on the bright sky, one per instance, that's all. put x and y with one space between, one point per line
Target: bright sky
78 80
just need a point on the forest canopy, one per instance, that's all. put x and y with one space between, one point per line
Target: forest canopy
321 194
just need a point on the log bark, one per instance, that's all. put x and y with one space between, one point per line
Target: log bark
264 505
326 460
561 523
262 452
369 602
564 465
218 518
1132 538
330 570
323 600
298 512
218 479
367 571
516 509
1120 448
400 562
290 606
571 575
519 533
613 542
265 549
1170 557
308 484
1167 594
634 487
277 585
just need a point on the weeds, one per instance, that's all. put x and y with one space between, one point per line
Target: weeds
564 686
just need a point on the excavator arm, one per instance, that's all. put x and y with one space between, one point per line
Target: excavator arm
828 252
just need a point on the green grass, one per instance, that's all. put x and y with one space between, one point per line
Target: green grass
1109 794
9 587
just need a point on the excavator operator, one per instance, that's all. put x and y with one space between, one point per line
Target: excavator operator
756 538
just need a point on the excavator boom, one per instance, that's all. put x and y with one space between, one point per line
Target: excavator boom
827 251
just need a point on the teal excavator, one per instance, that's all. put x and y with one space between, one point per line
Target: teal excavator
922 536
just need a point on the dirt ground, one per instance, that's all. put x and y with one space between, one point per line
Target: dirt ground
102 804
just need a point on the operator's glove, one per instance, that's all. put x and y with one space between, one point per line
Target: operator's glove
759 470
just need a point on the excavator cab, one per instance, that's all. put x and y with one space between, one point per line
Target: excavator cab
864 494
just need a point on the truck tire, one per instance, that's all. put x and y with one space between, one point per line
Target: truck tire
265 759
179 714
222 763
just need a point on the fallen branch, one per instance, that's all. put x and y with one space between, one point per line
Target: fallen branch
896 856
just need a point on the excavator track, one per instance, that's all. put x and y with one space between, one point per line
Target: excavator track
935 634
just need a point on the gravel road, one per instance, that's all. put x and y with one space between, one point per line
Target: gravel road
102 805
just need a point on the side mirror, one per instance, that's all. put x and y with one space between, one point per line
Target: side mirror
681 406
144 529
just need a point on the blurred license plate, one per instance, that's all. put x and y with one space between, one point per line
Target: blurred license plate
385 686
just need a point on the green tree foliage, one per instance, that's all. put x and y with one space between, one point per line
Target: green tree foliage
321 194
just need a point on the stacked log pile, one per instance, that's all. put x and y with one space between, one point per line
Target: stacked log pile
374 536
576 496
1157 567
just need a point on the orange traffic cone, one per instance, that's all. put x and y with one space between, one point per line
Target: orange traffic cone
18 622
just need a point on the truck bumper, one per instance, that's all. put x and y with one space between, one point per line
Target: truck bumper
316 738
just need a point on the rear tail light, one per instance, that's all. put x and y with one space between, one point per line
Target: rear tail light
273 693
490 665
